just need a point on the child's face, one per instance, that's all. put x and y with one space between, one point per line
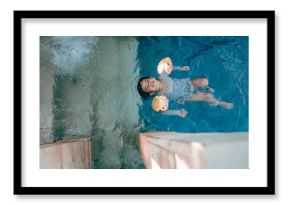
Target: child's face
150 85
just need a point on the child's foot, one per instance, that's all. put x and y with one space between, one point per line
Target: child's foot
222 104
227 105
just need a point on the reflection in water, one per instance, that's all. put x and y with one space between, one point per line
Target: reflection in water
94 94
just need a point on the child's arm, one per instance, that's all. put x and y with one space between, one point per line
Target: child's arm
180 113
181 68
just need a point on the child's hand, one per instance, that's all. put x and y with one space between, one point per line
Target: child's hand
182 113
185 68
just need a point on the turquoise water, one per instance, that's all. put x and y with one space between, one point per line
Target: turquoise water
223 60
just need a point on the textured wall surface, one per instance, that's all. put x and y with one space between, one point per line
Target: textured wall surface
89 89
170 150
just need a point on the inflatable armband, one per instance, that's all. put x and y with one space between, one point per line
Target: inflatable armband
160 103
165 66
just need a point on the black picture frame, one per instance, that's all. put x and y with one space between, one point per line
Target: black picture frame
19 189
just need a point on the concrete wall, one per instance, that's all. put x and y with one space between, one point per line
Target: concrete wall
115 103
46 96
73 107
88 88
169 150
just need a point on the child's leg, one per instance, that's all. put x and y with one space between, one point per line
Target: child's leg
199 82
221 103
210 99
201 97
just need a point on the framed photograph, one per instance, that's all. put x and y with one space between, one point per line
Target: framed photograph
144 102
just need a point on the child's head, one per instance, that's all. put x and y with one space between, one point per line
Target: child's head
147 86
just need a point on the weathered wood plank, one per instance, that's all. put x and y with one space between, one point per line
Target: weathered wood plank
66 154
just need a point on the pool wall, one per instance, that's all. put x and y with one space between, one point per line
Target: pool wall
88 88
47 83
172 150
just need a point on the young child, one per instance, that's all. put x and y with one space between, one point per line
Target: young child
179 90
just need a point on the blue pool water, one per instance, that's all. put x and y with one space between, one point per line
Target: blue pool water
223 60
